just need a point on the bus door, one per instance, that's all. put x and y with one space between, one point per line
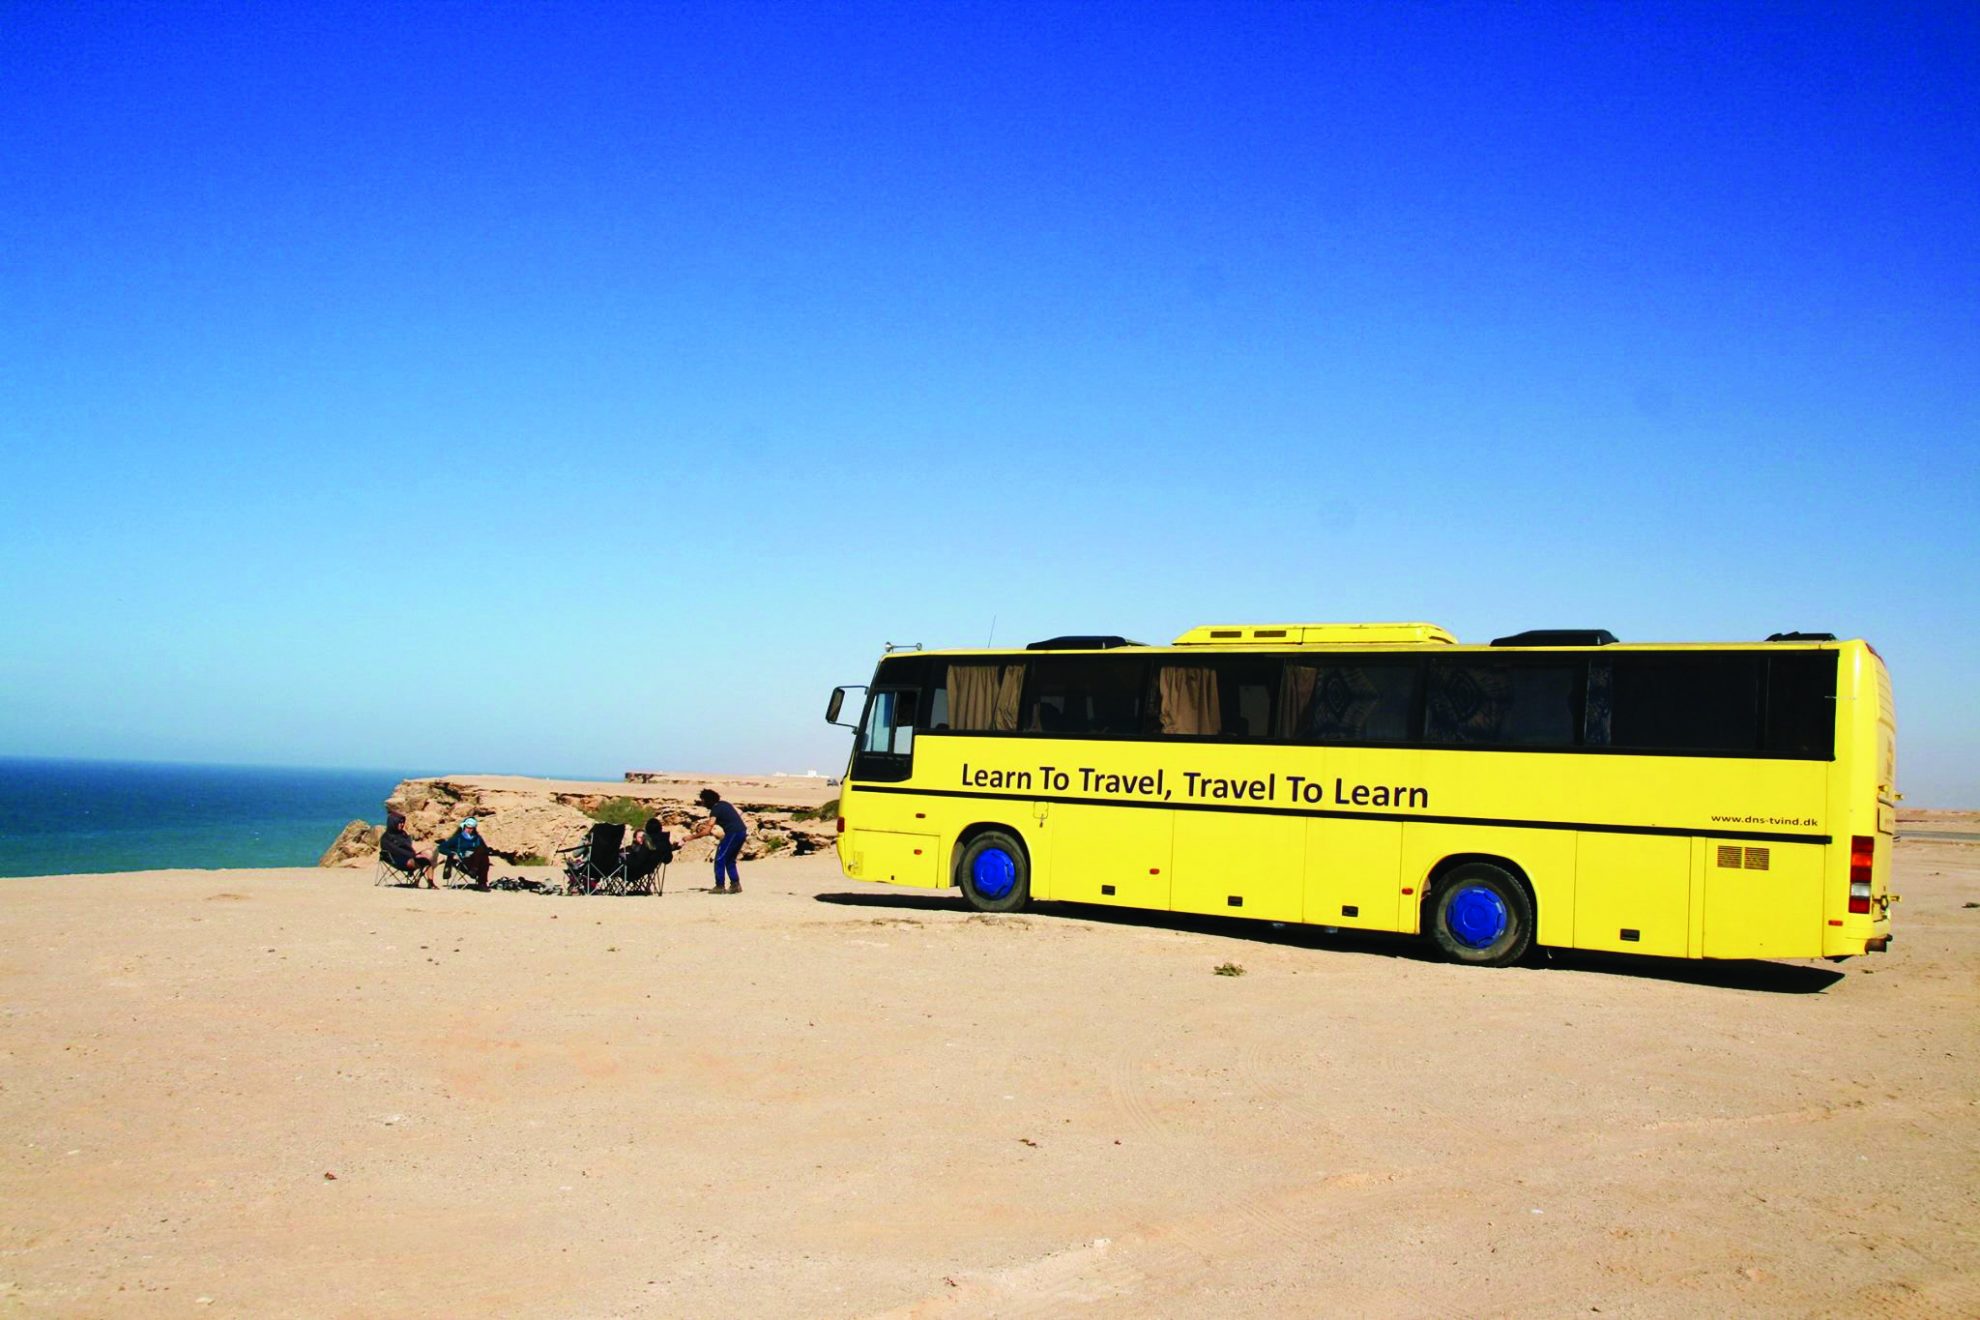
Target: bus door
887 846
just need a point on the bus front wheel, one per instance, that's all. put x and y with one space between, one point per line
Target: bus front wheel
1481 915
994 873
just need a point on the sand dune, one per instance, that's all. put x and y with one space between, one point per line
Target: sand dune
290 1093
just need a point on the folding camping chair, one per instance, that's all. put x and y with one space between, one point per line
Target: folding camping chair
592 865
390 874
454 873
643 870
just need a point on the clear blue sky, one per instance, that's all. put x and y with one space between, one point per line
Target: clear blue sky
568 388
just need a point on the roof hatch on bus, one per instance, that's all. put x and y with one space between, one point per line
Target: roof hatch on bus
1317 634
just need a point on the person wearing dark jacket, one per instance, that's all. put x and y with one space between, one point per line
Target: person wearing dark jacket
470 853
400 854
734 832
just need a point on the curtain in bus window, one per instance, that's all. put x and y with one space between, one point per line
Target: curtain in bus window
1189 700
972 695
984 697
1503 704
1348 703
1467 703
1010 686
1599 706
1295 696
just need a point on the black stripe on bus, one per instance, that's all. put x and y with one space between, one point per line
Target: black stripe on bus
1672 831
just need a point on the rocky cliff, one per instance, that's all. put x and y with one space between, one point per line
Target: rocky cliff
539 817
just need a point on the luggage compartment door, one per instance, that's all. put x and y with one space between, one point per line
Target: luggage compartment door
1256 860
1763 900
1632 893
1117 855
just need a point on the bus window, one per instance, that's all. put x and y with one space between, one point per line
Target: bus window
1231 697
1801 704
981 698
1086 695
1249 689
1685 703
1499 704
1187 700
1355 702
889 726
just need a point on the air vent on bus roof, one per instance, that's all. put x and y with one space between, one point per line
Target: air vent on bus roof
1316 634
1081 642
1801 637
1559 637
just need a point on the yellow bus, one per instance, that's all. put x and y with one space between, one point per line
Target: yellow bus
1555 789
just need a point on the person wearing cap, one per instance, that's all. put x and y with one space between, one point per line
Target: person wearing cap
398 850
730 820
470 852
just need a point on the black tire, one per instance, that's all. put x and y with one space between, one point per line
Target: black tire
1479 914
994 873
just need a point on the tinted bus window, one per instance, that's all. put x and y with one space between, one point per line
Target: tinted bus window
1089 695
1352 702
1486 703
1801 704
1685 703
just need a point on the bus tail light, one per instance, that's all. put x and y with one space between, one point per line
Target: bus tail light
842 824
1862 852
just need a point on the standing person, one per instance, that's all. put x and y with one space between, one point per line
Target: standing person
733 832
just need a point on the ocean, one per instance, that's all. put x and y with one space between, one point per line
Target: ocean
62 817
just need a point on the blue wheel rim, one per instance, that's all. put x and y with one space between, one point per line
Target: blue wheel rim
1476 916
993 873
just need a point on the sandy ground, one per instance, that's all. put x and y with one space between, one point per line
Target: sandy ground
290 1093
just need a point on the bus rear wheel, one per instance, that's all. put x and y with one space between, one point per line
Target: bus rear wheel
994 873
1481 915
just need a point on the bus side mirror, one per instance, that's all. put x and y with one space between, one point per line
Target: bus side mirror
837 702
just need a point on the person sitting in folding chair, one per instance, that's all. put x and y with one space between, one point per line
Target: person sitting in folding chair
591 865
397 855
467 852
650 852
